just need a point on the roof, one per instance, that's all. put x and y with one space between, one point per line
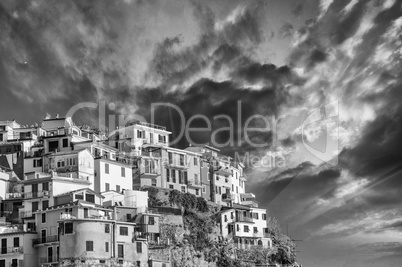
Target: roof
68 152
78 190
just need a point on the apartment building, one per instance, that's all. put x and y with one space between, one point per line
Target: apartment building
16 246
112 175
77 164
245 226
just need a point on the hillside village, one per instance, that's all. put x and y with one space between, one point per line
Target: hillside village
70 196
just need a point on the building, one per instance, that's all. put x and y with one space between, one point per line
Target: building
16 246
76 164
245 226
112 175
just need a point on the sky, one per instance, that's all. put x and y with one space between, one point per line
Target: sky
326 74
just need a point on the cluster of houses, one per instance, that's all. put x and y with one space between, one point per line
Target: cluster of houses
71 195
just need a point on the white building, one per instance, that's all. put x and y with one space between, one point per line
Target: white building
112 175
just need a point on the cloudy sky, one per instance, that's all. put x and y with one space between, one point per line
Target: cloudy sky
327 72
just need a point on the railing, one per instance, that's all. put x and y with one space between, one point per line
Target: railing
222 171
11 250
150 125
14 195
194 183
227 197
45 239
36 194
44 260
26 214
241 218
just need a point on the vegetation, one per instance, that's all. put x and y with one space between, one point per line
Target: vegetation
200 232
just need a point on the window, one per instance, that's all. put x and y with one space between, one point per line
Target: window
123 172
45 186
45 204
65 142
118 188
171 186
237 190
264 216
123 230
79 196
2 263
107 228
246 229
68 228
140 134
226 218
181 177
260 243
182 160
16 242
106 246
120 251
220 190
37 163
196 180
174 176
153 182
255 230
43 235
204 189
44 217
183 189
106 168
35 206
35 188
107 186
149 166
151 221
195 161
197 192
170 156
128 217
139 247
167 175
89 246
90 198
49 254
185 177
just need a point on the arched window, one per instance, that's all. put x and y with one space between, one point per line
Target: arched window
259 242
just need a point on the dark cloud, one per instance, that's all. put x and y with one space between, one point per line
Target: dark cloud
297 10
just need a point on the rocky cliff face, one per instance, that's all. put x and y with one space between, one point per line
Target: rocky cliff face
193 237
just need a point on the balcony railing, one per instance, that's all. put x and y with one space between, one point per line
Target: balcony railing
227 197
26 214
12 250
14 195
36 194
194 183
241 218
45 239
223 171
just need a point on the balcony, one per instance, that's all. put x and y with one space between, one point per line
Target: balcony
176 163
194 184
227 197
17 195
36 194
45 239
223 171
26 214
241 218
12 250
